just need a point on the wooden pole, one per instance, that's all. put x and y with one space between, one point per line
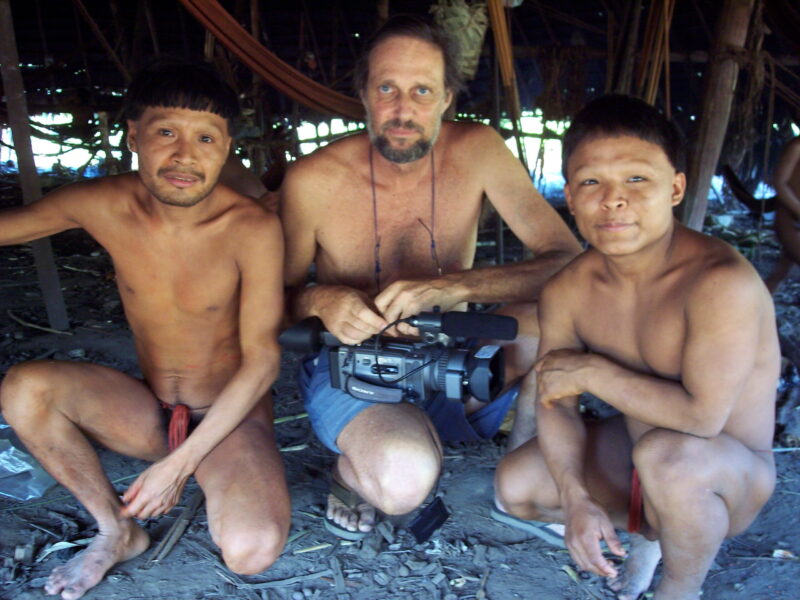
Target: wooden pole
498 220
721 75
625 76
103 41
29 179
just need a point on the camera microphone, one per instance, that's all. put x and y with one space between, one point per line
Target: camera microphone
459 324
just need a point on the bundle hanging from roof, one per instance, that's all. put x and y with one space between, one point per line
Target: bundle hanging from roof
467 23
268 66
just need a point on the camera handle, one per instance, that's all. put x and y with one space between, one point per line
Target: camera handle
372 393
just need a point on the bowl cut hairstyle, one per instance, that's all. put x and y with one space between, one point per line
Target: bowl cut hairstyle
175 83
615 115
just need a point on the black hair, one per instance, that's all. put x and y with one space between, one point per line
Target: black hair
177 83
615 115
420 28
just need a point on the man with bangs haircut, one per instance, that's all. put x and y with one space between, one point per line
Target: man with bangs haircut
199 272
390 219
675 330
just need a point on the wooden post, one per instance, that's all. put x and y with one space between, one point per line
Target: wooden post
29 179
720 84
625 73
500 246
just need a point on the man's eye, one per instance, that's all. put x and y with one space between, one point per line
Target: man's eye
165 132
423 91
589 182
206 139
384 88
636 179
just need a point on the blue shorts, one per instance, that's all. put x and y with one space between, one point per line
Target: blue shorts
330 409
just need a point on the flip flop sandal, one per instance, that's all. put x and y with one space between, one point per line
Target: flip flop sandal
552 533
351 500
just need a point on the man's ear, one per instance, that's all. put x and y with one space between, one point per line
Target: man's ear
130 139
448 98
678 188
568 198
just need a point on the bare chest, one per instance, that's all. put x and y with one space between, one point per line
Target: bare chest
407 232
161 280
645 333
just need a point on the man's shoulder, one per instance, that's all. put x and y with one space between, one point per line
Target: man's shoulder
330 160
244 210
712 267
468 132
315 179
112 190
575 274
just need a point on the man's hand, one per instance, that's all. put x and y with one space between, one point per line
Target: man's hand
346 313
560 375
405 298
588 524
155 491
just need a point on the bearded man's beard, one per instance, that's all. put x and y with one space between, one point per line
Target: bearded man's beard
401 155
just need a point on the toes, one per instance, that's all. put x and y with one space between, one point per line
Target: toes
625 589
55 583
362 518
367 517
73 593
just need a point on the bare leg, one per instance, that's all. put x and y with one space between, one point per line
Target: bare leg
246 495
788 232
520 354
779 273
55 408
697 492
391 456
525 489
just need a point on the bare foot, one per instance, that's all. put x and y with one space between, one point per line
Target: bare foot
637 571
86 569
361 518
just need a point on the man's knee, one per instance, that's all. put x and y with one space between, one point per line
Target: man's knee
523 485
403 476
25 391
669 462
253 550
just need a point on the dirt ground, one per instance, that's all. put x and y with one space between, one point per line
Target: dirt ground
471 556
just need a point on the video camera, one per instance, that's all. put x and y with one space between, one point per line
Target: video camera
389 369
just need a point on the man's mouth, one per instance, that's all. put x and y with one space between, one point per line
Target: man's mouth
181 179
614 225
397 128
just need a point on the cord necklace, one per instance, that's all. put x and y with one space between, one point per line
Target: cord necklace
431 230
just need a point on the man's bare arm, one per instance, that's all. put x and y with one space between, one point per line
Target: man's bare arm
346 312
723 317
538 226
57 211
560 428
260 260
787 170
562 439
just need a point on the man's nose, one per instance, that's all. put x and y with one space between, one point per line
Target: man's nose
183 151
404 109
615 197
